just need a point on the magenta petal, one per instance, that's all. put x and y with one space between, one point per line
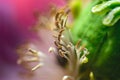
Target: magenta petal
16 18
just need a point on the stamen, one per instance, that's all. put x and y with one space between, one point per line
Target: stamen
31 56
60 34
91 75
78 43
37 66
60 19
51 50
74 54
57 24
68 78
83 58
32 60
58 15
32 51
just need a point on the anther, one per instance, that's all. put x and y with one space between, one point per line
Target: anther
37 66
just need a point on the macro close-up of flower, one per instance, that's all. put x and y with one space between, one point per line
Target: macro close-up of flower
17 18
59 39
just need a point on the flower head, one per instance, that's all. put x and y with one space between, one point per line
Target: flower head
76 55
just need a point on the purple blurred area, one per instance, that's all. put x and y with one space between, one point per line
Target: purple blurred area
16 19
